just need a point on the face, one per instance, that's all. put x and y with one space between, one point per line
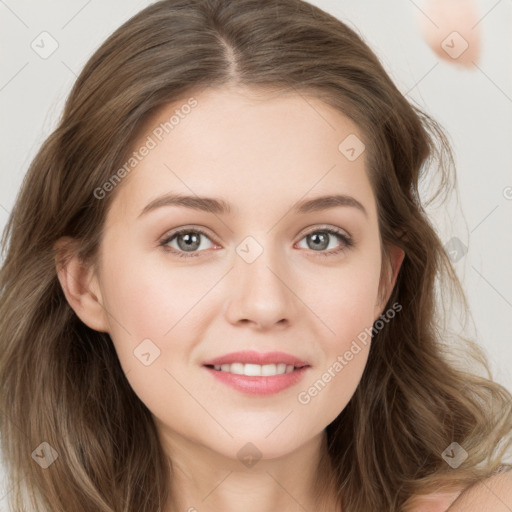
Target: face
253 272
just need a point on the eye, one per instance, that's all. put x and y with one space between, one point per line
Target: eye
319 240
188 241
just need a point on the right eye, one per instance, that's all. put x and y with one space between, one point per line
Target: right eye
188 242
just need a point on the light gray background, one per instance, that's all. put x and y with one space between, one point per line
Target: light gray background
474 106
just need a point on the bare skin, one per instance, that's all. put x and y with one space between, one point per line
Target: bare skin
261 154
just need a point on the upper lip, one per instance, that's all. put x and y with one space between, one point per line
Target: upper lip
253 357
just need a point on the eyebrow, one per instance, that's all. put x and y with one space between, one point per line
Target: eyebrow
219 206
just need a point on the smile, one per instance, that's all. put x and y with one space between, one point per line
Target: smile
251 378
255 370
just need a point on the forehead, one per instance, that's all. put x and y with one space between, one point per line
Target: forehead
242 143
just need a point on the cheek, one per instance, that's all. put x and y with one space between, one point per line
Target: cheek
148 298
345 298
348 309
345 353
158 311
150 310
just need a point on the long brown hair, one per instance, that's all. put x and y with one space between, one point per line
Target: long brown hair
61 382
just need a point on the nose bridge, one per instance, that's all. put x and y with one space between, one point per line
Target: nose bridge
259 290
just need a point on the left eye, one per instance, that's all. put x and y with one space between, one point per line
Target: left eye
319 240
189 241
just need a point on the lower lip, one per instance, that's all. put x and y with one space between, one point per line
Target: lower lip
259 385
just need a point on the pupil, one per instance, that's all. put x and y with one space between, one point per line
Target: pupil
323 242
191 241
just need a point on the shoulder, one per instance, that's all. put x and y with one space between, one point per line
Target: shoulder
435 502
494 494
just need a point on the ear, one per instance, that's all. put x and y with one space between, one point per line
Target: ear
392 262
80 285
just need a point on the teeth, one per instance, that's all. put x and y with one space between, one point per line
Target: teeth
256 370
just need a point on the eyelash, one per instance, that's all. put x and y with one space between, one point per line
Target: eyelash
347 241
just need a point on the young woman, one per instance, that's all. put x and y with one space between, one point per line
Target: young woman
219 287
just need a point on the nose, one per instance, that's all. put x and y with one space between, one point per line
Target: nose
261 292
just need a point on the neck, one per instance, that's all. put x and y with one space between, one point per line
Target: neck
206 481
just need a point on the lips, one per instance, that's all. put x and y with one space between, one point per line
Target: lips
259 358
263 385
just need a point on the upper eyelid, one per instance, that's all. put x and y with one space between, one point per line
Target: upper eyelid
319 227
305 231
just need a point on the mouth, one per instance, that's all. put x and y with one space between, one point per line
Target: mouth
257 373
257 380
256 370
